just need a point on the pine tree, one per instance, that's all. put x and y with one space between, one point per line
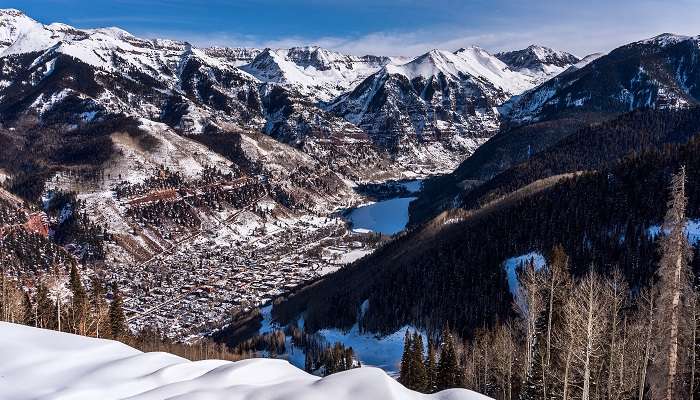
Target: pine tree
117 321
406 376
98 305
420 376
431 368
28 310
308 362
43 308
79 303
448 369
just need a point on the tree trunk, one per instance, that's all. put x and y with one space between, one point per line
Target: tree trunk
589 348
647 352
673 349
692 349
58 311
567 369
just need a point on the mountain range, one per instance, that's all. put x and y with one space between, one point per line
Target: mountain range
218 188
441 102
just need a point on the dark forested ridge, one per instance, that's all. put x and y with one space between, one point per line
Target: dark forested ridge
450 273
590 147
511 146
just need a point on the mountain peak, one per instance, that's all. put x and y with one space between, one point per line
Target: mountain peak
538 61
665 39
11 12
472 61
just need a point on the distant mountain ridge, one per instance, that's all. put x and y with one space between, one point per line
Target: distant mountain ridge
302 96
538 62
660 72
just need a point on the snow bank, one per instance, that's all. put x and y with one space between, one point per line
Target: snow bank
43 364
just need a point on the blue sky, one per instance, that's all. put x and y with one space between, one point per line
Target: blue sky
392 27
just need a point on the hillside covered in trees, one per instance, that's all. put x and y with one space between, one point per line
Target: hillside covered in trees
450 270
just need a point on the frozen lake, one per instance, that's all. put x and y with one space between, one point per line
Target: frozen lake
388 216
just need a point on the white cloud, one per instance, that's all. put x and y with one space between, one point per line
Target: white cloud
578 30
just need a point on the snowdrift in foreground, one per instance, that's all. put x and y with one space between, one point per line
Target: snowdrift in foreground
43 364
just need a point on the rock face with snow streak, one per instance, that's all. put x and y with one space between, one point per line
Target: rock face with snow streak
319 73
421 116
45 364
662 72
538 62
59 74
448 100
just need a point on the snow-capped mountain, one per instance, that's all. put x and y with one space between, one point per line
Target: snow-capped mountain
660 72
538 62
235 56
59 73
446 99
428 113
319 73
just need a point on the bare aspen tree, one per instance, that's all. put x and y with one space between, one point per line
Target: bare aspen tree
98 306
556 281
617 292
586 313
643 330
674 289
563 340
505 349
529 305
11 301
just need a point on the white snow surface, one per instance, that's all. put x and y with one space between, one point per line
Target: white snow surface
472 61
667 39
44 364
319 73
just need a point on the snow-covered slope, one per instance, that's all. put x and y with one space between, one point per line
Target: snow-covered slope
660 72
59 74
478 62
441 99
319 73
43 364
539 63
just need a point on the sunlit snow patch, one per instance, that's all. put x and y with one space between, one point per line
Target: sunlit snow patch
511 266
692 230
371 350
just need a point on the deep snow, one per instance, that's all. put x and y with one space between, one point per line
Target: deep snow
44 364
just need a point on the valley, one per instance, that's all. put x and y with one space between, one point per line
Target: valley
518 221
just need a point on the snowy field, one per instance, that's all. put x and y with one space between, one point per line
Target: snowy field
374 351
43 364
388 217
